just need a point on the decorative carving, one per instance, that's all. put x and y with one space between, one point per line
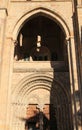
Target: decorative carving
40 106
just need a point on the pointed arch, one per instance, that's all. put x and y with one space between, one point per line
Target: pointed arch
55 16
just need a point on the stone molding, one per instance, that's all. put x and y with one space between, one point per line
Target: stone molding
33 82
25 70
55 16
25 90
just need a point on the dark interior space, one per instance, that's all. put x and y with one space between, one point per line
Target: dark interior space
41 120
40 39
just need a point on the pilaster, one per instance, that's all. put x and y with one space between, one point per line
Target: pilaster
6 75
2 37
3 15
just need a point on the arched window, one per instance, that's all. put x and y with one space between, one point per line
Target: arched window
40 39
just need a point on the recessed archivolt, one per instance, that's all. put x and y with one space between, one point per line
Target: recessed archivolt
54 15
39 81
29 79
25 93
47 88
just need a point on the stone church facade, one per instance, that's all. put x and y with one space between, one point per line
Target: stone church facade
40 65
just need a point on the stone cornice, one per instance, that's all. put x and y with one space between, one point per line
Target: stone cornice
25 70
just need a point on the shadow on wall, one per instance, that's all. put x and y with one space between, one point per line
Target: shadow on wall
78 94
79 114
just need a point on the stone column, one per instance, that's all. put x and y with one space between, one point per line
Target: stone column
41 120
59 118
2 38
73 78
41 106
5 84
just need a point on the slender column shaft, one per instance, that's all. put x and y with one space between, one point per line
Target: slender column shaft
41 120
73 79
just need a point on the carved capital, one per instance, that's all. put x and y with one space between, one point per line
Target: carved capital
67 40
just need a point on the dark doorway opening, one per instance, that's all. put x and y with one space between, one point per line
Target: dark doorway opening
41 120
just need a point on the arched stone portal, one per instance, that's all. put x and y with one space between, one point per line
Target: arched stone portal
40 93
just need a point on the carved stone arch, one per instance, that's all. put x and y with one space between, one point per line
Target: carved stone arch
55 16
37 81
25 93
30 78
